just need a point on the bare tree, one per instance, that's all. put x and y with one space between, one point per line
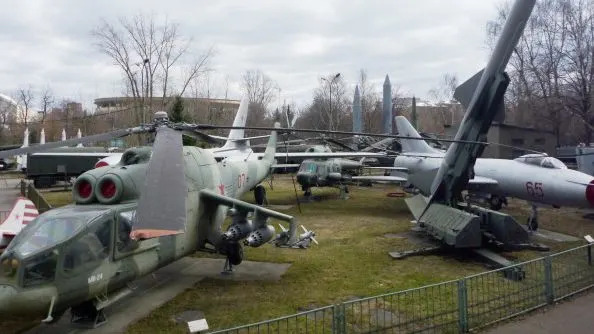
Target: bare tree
7 114
147 52
258 87
444 91
25 101
46 101
552 67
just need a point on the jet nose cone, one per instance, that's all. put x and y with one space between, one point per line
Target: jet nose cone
590 193
7 294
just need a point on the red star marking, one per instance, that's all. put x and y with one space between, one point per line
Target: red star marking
222 189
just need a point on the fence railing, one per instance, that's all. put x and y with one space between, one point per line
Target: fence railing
29 191
461 305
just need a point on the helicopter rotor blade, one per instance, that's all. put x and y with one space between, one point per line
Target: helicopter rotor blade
71 142
162 203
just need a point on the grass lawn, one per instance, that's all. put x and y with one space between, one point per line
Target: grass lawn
351 261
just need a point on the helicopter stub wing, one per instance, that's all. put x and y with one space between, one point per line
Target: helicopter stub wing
162 203
211 199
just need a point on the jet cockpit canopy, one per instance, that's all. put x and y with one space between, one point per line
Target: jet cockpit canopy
541 160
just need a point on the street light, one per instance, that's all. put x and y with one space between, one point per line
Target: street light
331 82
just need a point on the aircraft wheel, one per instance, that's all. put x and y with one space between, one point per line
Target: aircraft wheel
307 193
260 194
495 203
532 224
234 253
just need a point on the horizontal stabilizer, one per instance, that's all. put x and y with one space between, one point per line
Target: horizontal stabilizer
465 91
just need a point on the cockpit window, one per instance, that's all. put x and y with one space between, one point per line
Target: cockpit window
40 269
541 161
308 167
89 247
50 229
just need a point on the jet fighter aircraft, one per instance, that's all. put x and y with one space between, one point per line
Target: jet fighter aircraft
152 208
536 178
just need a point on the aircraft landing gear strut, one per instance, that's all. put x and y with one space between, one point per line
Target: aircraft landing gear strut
533 219
260 195
344 192
87 315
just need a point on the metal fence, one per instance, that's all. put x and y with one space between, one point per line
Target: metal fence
29 191
456 306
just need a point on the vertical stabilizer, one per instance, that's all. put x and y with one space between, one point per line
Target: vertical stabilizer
239 121
271 146
411 145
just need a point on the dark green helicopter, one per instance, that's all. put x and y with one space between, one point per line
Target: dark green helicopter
152 208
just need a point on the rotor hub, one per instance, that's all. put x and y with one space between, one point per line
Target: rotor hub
160 117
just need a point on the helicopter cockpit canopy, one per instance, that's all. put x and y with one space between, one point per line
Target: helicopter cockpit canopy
541 160
52 228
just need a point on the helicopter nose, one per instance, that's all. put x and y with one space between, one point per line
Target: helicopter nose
7 294
304 178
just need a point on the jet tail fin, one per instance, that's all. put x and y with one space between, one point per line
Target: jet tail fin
411 145
465 92
23 212
271 146
233 140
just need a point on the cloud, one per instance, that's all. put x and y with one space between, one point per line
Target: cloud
48 43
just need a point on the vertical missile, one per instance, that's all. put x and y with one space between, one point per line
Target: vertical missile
387 114
63 137
357 111
413 113
79 135
42 137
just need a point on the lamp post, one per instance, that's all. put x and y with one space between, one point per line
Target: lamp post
331 82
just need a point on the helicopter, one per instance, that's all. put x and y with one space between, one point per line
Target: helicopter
152 208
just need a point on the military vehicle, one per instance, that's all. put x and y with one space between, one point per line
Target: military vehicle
152 208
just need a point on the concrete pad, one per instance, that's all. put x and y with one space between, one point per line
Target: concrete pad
555 236
246 271
10 190
152 291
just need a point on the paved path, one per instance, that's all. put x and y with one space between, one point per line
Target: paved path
152 291
571 316
9 191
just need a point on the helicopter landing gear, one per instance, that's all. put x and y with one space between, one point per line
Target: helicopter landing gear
533 220
87 315
234 253
307 193
344 192
260 195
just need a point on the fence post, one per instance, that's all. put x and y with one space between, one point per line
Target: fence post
462 306
589 254
548 274
338 320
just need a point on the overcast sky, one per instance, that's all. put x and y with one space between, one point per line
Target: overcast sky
48 43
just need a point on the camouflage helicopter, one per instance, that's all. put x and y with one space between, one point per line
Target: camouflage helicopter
152 208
